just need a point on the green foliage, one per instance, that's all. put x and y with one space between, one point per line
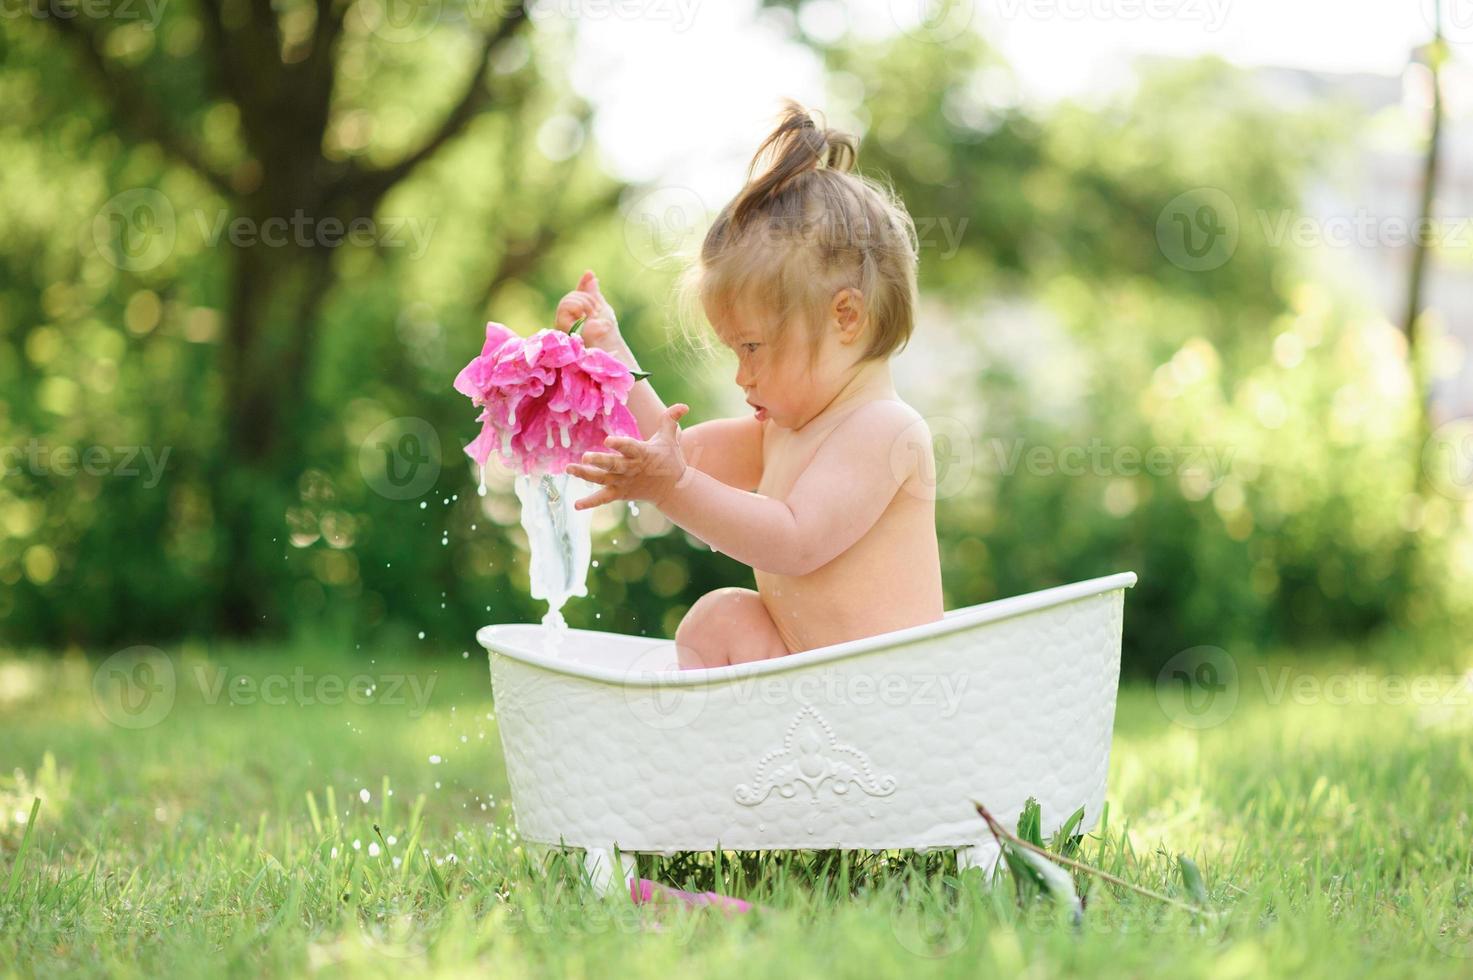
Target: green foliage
1306 521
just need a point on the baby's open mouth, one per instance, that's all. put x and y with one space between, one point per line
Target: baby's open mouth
760 412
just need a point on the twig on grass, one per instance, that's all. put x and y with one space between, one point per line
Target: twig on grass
1002 834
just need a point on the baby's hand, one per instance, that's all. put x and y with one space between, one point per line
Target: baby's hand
639 470
600 328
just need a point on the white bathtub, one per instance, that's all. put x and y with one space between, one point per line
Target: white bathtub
877 744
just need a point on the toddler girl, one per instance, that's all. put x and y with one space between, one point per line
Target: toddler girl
827 488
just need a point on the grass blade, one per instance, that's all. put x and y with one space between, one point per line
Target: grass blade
20 855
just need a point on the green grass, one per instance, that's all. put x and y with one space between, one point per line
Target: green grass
233 838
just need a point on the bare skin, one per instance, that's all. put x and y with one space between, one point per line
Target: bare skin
827 490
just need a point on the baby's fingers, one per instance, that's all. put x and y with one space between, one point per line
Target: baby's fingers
571 307
590 473
613 462
604 496
626 445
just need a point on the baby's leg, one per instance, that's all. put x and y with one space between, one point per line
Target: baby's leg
728 626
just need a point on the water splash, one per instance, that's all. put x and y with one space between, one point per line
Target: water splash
561 542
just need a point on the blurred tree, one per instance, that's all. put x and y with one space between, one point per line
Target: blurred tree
278 67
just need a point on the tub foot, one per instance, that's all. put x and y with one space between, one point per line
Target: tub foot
982 856
600 862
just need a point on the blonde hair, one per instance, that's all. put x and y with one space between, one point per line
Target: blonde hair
804 227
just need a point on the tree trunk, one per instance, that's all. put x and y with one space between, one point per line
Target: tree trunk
276 296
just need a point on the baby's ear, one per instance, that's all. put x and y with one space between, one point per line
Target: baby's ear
847 310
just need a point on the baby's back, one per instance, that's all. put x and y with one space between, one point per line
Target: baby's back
890 578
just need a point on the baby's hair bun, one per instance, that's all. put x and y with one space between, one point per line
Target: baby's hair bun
796 147
805 225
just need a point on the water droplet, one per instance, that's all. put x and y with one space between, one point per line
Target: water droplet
423 504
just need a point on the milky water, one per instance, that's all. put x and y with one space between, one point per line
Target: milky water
561 543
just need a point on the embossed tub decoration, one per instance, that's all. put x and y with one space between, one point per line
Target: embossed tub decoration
876 744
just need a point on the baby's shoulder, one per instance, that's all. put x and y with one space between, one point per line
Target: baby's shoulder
894 434
884 416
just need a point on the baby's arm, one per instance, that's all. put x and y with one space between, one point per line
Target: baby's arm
847 486
728 449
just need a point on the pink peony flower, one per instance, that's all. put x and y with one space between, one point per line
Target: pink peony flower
545 399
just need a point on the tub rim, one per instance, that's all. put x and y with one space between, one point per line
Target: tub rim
952 621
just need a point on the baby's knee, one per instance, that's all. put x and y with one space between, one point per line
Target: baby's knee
694 646
703 635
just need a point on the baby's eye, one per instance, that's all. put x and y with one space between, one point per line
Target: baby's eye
750 347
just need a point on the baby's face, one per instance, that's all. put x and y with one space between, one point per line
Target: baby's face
778 379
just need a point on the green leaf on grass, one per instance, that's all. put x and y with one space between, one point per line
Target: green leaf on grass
1191 877
1030 823
1067 840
